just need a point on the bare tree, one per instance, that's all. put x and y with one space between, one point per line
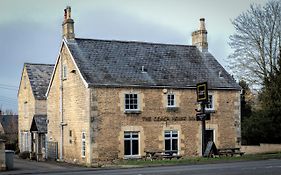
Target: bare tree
257 42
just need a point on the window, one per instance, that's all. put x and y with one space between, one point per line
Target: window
64 71
131 143
25 109
24 82
131 102
43 141
171 100
70 136
171 141
83 150
25 142
21 141
210 105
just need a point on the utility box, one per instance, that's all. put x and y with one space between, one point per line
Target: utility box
9 154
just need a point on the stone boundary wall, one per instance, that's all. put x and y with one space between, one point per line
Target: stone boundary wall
262 148
2 156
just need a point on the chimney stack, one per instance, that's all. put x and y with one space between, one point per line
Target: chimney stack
68 24
199 37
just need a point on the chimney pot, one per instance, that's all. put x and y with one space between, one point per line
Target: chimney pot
199 37
68 24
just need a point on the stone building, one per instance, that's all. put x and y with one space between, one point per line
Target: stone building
32 106
112 99
9 130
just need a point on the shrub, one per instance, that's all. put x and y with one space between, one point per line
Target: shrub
24 155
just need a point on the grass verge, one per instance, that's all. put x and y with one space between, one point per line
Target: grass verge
199 160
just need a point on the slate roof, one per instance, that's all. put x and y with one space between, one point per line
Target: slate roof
9 123
39 123
141 64
39 76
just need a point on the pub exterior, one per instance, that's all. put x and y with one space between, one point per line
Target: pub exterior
112 99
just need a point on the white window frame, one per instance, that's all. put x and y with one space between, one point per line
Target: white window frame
171 138
168 100
131 143
125 104
83 144
212 108
25 141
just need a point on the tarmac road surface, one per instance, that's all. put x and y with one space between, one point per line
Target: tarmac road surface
262 167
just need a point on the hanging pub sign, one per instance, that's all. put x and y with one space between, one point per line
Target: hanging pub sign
202 92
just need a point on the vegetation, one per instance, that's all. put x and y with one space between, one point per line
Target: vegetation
198 160
256 42
257 58
24 155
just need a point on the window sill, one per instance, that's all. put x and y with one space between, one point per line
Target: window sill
172 108
132 112
132 157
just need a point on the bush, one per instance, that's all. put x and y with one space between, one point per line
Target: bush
24 155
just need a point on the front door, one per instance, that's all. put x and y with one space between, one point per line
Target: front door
209 135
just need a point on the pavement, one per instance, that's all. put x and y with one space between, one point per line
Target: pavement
26 166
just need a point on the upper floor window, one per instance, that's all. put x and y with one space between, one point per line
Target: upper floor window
64 71
25 110
210 105
70 136
131 102
24 82
171 100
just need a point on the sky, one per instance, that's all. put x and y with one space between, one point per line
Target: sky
30 30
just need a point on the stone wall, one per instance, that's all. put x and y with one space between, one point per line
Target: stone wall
109 121
262 148
75 114
26 107
2 156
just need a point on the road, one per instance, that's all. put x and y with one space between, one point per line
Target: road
263 167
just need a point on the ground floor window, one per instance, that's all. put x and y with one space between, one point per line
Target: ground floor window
83 149
171 141
131 143
25 141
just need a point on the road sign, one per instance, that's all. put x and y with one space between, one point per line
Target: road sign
202 116
202 92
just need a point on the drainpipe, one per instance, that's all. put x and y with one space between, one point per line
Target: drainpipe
62 124
90 126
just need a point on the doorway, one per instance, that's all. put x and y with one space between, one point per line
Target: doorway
209 135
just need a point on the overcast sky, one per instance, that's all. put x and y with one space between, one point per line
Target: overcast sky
30 30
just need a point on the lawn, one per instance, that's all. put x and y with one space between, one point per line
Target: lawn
198 160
